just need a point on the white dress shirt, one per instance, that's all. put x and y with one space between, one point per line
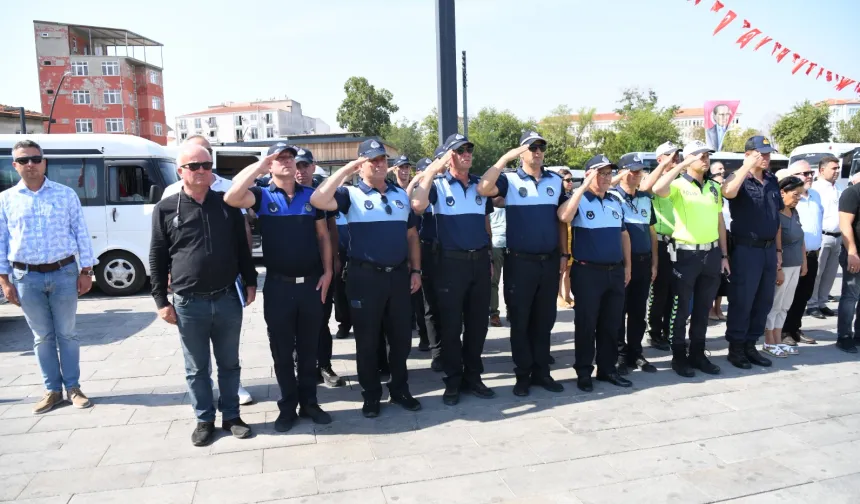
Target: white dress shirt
830 202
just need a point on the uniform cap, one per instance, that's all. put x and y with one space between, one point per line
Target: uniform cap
529 137
304 155
402 160
371 149
280 147
456 141
599 161
759 143
439 152
696 147
423 163
632 162
666 148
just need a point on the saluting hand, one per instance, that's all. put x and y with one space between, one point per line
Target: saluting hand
590 175
266 163
354 166
323 284
752 160
513 154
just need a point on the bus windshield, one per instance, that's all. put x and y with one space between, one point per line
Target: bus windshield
167 168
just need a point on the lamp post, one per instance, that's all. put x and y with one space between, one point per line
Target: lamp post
56 95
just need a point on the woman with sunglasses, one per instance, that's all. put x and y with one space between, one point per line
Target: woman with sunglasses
565 298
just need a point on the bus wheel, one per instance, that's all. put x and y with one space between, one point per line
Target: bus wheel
119 274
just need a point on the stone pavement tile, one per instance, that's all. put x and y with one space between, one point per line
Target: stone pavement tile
560 477
86 420
118 434
468 460
508 430
559 447
802 494
752 445
363 496
21 392
653 462
257 487
214 466
458 417
151 450
355 475
827 407
180 493
149 383
822 463
754 398
558 498
748 420
669 489
51 460
351 430
97 353
149 367
605 419
160 413
825 432
56 499
684 408
311 455
22 443
94 479
420 442
470 489
666 433
745 478
17 425
11 486
264 436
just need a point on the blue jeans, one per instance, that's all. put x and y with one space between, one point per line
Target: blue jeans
847 322
49 302
219 319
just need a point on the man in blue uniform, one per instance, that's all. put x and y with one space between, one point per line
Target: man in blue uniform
297 277
384 269
601 270
534 261
754 202
639 220
463 274
341 304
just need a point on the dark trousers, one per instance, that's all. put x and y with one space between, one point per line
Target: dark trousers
429 259
805 286
324 352
418 315
293 313
696 276
530 291
847 319
341 304
751 289
599 295
635 306
660 296
463 291
378 302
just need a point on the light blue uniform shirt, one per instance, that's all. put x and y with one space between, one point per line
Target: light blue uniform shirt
811 213
498 225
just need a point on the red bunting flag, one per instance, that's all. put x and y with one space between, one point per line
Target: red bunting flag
844 83
857 87
729 17
776 47
782 54
819 73
797 67
747 37
811 67
829 76
746 24
717 6
764 41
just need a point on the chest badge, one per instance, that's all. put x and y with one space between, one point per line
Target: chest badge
589 215
273 208
616 214
714 192
550 191
523 192
478 200
449 201
398 204
308 207
368 204
644 213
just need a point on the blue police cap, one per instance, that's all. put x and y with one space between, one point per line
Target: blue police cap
371 149
304 155
759 143
632 162
280 147
423 163
529 137
402 160
599 161
439 152
456 141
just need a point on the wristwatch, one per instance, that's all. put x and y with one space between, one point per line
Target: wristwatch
566 256
417 271
88 272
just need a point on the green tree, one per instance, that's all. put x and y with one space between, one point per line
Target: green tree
849 131
365 108
406 136
567 136
698 133
805 124
735 140
493 134
430 133
643 125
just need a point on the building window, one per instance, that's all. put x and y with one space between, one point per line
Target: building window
237 120
212 134
158 130
182 124
110 68
270 132
183 136
212 122
268 117
81 97
80 68
853 111
112 97
156 103
114 126
198 122
253 117
153 77
255 134
83 125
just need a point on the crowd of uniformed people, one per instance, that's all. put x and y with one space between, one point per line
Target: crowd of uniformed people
390 249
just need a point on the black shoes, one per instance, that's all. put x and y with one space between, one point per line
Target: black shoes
815 312
680 362
614 378
370 409
478 389
644 365
737 357
342 334
203 433
329 377
699 361
237 428
436 364
548 383
551 360
754 357
521 388
315 413
406 401
452 394
584 384
423 346
660 343
827 312
621 366
847 345
285 421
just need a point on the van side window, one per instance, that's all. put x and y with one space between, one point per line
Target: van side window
8 176
81 174
128 183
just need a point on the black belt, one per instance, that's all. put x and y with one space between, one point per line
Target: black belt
835 235
600 266
752 242
207 295
641 257
376 267
531 257
664 238
44 268
466 255
286 279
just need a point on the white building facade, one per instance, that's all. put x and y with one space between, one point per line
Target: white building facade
686 119
240 122
841 110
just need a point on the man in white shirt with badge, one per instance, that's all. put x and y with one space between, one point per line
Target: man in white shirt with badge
831 243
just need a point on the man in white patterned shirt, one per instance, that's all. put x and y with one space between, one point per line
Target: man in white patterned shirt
42 229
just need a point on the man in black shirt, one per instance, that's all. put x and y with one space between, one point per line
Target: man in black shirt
201 243
848 324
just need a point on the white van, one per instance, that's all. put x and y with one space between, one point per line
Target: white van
733 160
118 179
846 153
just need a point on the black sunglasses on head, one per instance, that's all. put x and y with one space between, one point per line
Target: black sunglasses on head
537 146
27 159
206 165
465 148
388 209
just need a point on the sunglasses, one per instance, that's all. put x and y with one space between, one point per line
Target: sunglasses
206 165
808 173
567 180
464 149
29 159
718 174
536 146
388 209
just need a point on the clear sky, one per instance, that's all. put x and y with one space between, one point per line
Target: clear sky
523 56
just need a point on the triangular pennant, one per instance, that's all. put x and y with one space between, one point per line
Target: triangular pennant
727 19
782 54
802 62
747 37
811 67
717 6
829 76
746 24
844 83
820 71
776 47
764 41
